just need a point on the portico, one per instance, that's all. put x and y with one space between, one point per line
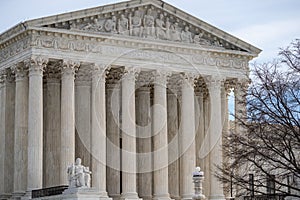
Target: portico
141 105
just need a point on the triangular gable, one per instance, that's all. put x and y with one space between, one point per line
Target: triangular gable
149 19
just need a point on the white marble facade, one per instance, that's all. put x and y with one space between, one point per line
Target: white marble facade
136 89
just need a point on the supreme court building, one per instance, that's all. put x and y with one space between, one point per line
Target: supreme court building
137 89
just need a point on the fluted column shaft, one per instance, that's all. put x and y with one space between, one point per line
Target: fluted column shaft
21 130
7 97
98 142
215 140
144 144
160 137
128 136
173 141
188 160
113 140
35 124
52 127
67 118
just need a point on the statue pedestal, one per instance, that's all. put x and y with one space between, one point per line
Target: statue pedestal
83 193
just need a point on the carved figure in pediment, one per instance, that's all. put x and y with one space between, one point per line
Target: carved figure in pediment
168 27
149 24
123 25
73 25
110 25
94 26
198 39
160 27
175 32
216 43
186 35
135 24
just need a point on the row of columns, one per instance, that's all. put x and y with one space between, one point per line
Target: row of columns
28 151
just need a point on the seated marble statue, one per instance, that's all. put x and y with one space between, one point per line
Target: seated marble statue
79 175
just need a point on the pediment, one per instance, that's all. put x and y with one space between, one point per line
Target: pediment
146 19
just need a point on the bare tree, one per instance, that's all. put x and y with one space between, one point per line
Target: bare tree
268 147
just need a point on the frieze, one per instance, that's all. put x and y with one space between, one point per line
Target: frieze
127 50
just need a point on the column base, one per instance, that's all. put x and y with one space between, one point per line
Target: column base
146 197
130 196
5 196
115 196
17 195
162 197
84 193
217 197
187 197
28 195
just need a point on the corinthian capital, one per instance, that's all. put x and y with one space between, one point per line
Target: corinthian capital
99 71
214 83
20 70
189 78
161 77
69 67
36 65
131 72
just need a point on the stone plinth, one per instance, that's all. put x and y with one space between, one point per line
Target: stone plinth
81 193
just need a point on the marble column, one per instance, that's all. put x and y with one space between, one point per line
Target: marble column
173 139
143 131
21 130
160 137
2 131
129 190
200 134
83 114
7 109
240 113
205 153
98 142
215 139
35 124
225 124
67 118
52 126
188 160
113 135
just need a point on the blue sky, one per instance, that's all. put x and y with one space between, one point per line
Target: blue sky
267 24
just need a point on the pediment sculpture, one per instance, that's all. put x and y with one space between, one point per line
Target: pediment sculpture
79 175
147 23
